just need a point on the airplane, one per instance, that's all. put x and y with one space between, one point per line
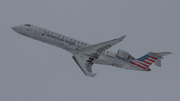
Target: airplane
85 55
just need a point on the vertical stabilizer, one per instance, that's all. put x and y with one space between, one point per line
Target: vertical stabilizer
145 61
158 62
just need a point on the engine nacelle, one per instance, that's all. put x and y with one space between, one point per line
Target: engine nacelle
125 55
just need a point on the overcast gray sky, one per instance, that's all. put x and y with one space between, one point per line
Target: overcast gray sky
34 71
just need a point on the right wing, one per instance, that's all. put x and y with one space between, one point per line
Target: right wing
94 51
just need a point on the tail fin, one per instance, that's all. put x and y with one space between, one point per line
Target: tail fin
152 57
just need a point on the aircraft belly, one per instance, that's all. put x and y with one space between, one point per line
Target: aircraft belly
103 60
129 66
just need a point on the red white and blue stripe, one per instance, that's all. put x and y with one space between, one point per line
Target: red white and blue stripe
144 62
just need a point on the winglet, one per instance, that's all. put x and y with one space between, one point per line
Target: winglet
91 75
94 74
121 38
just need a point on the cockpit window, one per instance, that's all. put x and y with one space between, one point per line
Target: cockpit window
27 25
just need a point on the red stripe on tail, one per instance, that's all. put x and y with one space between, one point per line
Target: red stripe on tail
142 64
153 57
150 60
138 65
147 62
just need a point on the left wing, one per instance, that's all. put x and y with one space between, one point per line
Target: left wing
84 65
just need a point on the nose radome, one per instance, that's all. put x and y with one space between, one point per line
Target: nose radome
16 28
13 28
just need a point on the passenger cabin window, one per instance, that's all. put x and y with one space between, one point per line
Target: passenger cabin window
27 25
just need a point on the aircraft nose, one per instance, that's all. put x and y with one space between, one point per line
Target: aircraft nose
14 28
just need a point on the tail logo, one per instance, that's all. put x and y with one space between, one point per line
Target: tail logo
144 62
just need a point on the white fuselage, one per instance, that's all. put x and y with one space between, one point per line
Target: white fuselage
71 45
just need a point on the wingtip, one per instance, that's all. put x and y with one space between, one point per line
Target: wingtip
121 38
169 52
94 74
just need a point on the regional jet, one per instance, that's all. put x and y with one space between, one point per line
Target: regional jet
85 55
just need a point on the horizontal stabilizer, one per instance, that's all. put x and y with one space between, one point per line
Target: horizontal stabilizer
160 54
159 57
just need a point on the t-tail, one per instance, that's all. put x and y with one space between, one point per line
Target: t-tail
151 57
